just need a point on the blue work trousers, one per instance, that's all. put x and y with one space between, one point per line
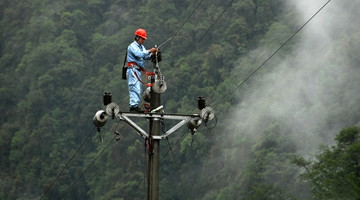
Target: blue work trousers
134 86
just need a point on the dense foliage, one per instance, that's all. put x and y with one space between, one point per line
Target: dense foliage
59 57
335 172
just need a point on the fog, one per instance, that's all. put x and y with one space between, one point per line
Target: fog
314 90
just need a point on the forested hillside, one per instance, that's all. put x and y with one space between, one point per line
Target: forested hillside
283 77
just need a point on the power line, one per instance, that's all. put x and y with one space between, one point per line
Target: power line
287 41
202 37
67 164
176 166
187 19
82 174
88 167
217 19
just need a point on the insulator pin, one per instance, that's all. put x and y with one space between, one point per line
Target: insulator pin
107 99
201 103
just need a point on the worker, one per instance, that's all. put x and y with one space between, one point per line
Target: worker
136 56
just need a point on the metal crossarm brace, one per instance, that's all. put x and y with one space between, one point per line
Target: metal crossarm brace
124 116
140 131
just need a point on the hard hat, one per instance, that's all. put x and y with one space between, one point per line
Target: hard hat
141 33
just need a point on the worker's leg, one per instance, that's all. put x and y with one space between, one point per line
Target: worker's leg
134 86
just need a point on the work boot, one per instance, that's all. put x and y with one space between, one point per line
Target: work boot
136 109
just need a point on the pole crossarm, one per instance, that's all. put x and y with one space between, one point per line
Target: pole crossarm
184 119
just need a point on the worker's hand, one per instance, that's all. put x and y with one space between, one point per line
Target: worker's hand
153 50
156 57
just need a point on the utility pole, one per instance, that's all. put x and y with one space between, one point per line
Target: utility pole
155 115
154 157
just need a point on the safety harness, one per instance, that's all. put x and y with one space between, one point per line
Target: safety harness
134 66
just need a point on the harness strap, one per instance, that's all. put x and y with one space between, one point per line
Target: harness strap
130 64
137 76
134 66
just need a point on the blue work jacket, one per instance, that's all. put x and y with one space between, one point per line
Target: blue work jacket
137 53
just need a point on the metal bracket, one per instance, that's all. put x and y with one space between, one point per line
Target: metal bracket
125 116
140 131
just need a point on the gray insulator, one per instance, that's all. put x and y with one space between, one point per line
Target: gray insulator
100 118
146 94
159 86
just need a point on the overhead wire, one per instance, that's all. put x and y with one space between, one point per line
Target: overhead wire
176 166
275 52
67 164
177 141
207 31
87 168
186 20
217 19
91 164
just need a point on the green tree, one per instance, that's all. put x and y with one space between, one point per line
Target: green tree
335 171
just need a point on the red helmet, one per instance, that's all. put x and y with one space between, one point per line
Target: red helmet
141 33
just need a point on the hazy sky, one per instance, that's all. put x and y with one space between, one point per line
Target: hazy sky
301 90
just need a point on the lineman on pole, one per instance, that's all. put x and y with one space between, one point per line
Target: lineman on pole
136 56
